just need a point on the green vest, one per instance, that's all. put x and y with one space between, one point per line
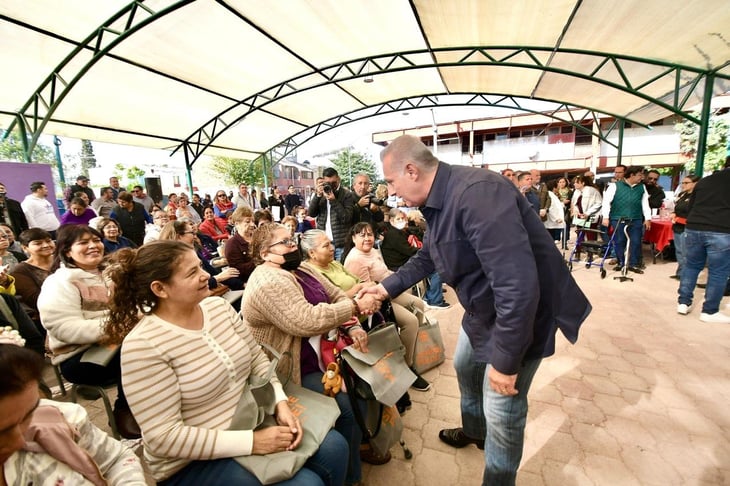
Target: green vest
626 201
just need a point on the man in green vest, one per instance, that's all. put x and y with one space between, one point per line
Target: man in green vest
626 205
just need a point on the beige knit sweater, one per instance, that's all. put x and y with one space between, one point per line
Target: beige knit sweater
279 315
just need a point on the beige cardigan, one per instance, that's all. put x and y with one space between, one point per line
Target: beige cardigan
279 315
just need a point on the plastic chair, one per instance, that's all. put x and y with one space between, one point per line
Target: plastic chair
99 392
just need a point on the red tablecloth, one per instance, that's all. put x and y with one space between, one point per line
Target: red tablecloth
660 233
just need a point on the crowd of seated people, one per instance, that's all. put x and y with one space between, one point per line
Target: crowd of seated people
94 288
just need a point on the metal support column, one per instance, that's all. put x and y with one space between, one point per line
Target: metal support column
59 162
620 147
704 125
189 174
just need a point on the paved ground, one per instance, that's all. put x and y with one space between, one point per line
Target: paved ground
642 399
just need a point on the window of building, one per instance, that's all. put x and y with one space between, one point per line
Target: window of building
489 137
478 143
566 129
583 138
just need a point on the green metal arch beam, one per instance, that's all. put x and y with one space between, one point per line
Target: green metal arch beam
49 95
682 77
288 146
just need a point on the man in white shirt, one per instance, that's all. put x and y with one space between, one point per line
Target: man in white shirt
243 198
38 210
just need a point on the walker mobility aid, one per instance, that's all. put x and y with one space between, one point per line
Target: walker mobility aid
596 250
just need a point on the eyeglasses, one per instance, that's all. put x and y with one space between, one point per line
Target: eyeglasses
220 195
290 242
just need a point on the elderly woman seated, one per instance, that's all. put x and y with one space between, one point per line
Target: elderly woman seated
319 255
238 247
46 442
289 307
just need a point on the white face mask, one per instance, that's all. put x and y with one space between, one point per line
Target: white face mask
399 224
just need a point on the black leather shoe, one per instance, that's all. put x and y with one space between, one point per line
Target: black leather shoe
675 277
457 438
403 403
635 270
126 425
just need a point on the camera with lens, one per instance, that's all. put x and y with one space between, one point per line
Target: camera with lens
327 188
376 201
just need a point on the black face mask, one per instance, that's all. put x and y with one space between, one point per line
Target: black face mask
292 260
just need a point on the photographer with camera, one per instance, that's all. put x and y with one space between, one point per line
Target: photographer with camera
332 206
367 206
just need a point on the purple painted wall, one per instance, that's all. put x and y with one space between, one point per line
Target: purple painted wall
18 176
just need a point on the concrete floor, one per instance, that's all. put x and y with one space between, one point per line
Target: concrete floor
641 399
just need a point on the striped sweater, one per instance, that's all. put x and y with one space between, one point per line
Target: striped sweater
183 386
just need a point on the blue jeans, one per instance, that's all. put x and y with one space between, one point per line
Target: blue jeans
679 246
636 233
346 425
713 249
434 293
504 418
470 376
323 468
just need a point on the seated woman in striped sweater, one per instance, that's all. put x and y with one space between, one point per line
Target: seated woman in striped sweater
185 360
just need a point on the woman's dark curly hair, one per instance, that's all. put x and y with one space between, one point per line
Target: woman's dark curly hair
131 272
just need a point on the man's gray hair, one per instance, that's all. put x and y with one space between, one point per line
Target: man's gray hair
408 148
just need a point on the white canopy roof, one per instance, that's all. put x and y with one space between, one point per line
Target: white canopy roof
240 77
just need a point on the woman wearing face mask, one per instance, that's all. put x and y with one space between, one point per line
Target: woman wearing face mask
289 308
